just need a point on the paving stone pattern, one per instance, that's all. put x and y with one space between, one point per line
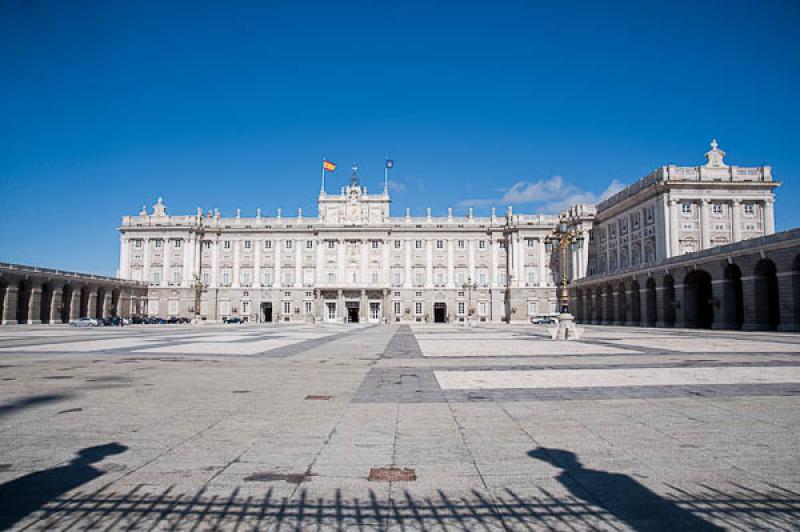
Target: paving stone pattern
214 428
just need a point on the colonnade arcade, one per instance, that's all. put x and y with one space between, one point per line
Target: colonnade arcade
759 290
34 295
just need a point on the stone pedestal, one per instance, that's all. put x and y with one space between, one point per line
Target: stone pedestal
566 330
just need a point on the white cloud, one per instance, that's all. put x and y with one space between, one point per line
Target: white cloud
551 195
396 186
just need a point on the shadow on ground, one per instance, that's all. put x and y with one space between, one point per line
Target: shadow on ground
51 499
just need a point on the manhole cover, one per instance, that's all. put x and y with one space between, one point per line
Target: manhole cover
392 474
318 397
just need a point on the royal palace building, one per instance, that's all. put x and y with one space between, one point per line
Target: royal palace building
355 262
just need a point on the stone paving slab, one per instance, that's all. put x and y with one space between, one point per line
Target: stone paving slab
115 438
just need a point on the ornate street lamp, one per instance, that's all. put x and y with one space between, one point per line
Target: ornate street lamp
563 238
469 286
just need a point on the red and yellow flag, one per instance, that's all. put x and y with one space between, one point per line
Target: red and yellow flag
329 166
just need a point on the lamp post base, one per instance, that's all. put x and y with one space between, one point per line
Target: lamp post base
566 329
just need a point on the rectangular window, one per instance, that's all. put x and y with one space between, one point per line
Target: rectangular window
176 276
248 244
460 308
418 244
749 208
288 278
331 278
529 242
531 277
482 308
460 279
266 277
206 278
686 208
246 277
245 307
398 309
716 208
460 244
307 307
309 244
178 244
418 308
418 279
502 244
503 279
156 276
137 243
482 279
440 244
152 307
719 227
226 277
226 244
482 244
374 277
173 308
225 308
375 244
331 244
287 307
439 279
396 279
397 244
267 244
287 244
158 243
308 277
533 308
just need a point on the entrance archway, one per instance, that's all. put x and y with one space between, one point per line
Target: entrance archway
46 304
635 310
651 307
353 308
698 305
439 312
23 302
765 292
66 302
732 302
266 312
622 305
669 301
608 313
100 303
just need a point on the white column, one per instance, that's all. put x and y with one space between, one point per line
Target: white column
705 232
429 263
165 262
519 260
386 266
146 253
188 255
364 275
769 216
276 275
258 246
319 275
340 273
542 272
630 241
407 280
493 264
674 246
235 280
471 259
124 257
736 220
214 263
298 263
450 264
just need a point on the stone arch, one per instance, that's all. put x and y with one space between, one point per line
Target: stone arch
668 301
598 305
765 294
608 312
47 301
23 301
99 303
732 300
86 296
621 305
66 302
651 304
635 306
698 304
115 302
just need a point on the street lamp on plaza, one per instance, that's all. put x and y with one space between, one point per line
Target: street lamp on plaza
563 238
469 286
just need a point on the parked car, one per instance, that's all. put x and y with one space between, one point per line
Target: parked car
84 322
117 321
232 319
137 320
543 320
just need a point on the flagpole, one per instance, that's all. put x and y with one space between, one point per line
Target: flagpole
385 177
322 188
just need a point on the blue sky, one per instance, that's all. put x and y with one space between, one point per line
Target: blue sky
106 105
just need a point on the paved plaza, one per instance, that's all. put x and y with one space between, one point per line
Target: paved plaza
285 427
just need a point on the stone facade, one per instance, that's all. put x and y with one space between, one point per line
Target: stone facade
31 295
353 261
681 209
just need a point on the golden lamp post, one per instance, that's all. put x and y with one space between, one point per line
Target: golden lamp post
563 238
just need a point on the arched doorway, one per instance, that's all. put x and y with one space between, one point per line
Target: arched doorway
668 309
732 302
622 305
698 305
765 292
115 295
66 302
100 303
23 301
46 304
85 297
608 313
636 308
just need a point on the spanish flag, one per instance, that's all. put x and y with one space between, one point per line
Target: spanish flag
327 165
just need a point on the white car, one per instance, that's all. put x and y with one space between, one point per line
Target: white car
84 322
